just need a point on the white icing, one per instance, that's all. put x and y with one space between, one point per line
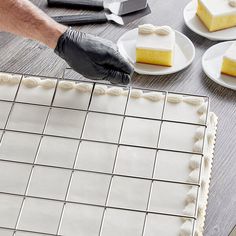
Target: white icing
125 93
232 3
66 85
194 162
48 83
197 147
156 41
174 98
115 91
84 87
211 136
186 228
4 78
151 29
153 96
200 133
202 119
208 158
189 209
136 93
15 79
194 176
196 101
191 196
219 7
100 89
202 109
231 52
31 82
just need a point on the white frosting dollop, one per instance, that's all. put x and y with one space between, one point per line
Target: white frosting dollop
15 79
48 83
115 91
151 29
4 77
191 195
174 98
202 109
232 3
136 93
196 101
66 85
186 228
202 119
153 96
125 93
100 89
208 158
211 136
84 87
31 82
194 176
189 209
194 162
199 133
197 147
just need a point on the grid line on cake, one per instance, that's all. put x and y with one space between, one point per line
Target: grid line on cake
114 165
74 164
35 158
119 144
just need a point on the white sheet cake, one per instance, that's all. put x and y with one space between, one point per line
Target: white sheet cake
78 158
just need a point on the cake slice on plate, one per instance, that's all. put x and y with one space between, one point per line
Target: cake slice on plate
155 45
229 61
217 14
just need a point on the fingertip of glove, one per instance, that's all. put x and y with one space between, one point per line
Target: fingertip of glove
126 79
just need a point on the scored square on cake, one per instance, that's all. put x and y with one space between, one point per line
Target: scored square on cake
217 14
155 45
229 61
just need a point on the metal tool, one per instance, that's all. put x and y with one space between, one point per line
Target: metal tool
101 18
117 7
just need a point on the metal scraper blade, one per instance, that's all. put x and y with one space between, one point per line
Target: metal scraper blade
126 6
136 15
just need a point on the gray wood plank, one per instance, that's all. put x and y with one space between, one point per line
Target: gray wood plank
27 56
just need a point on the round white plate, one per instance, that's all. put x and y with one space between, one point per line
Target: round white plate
195 24
212 61
183 56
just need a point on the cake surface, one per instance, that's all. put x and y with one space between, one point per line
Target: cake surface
116 153
155 45
229 61
217 14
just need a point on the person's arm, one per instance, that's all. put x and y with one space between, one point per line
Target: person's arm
93 57
23 18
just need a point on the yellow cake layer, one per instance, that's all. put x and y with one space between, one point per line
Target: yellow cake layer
163 58
228 67
215 23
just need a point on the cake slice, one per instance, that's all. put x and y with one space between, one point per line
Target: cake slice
155 45
229 61
217 14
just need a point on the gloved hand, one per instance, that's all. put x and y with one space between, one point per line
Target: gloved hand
93 57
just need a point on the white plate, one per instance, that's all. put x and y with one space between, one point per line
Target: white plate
184 54
195 24
211 63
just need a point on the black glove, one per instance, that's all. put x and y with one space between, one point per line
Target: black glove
93 57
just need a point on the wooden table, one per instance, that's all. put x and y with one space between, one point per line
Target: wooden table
26 56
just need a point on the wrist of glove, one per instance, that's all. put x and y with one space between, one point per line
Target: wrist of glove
93 57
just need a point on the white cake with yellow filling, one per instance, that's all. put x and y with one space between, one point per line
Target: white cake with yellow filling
217 14
155 45
229 61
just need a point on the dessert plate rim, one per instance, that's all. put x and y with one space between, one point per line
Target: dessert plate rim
190 14
155 69
215 53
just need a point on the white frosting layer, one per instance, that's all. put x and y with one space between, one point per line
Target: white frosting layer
186 229
219 7
156 38
231 53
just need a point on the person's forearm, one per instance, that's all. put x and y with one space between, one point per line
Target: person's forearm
22 18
